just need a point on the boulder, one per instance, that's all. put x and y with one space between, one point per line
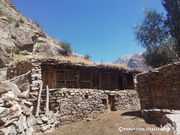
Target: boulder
4 112
15 110
21 125
173 119
44 127
11 89
39 122
44 119
41 39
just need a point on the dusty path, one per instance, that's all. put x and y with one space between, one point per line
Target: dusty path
108 124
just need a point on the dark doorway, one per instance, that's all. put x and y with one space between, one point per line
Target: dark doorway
120 82
130 83
111 103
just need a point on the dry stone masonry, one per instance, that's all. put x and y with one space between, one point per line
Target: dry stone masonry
160 87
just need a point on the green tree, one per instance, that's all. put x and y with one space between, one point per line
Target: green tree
173 20
152 33
66 49
158 56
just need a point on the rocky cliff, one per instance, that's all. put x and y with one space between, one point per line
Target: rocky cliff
135 61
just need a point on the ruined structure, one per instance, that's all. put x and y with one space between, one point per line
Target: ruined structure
160 87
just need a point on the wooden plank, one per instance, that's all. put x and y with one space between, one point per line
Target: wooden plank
38 102
91 79
108 81
78 79
47 99
125 81
100 81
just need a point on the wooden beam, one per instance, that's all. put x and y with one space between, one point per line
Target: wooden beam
47 99
125 81
100 80
78 75
91 79
108 81
39 99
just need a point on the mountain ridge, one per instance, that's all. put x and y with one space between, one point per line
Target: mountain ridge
135 61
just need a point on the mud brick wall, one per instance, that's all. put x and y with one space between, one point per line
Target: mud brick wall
167 79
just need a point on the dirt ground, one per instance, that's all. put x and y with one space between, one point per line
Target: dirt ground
108 124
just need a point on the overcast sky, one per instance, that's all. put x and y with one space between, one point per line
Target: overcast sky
100 28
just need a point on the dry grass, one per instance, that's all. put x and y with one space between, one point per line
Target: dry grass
19 58
81 60
75 60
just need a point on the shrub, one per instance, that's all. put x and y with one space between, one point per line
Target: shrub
66 49
10 20
37 24
15 50
87 57
38 48
21 20
18 57
1 14
17 24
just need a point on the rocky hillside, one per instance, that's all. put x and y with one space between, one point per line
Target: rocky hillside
135 61
18 31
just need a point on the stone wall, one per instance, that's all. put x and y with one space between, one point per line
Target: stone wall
163 82
73 104
18 68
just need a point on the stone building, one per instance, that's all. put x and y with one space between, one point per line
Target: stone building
63 74
160 87
76 89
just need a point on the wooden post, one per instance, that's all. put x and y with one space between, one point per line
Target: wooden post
100 81
47 99
91 80
78 75
125 81
108 82
39 99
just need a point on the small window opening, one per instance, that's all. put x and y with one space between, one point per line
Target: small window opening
86 96
104 101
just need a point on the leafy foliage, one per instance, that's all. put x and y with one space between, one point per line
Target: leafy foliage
87 57
15 50
38 48
10 20
153 35
21 20
158 56
66 48
173 19
152 31
1 14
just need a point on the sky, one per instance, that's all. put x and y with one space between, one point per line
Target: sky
101 28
